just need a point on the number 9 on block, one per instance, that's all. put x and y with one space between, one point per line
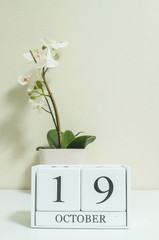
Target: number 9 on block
103 189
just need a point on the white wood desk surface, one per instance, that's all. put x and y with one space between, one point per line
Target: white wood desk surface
15 220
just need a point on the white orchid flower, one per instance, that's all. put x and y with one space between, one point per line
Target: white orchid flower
40 57
30 79
51 51
47 57
37 54
44 58
53 44
37 103
48 60
24 79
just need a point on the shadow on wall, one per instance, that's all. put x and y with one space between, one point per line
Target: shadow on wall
12 127
14 142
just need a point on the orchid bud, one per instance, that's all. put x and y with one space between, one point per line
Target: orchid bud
32 97
39 84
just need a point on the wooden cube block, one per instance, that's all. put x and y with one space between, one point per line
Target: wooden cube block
103 189
80 196
58 189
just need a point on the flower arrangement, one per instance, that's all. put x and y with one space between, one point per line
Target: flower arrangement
42 98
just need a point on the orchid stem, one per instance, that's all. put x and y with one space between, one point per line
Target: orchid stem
46 110
55 109
45 71
50 111
33 56
57 122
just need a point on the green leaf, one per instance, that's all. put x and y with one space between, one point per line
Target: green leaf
52 138
78 133
67 137
81 142
43 47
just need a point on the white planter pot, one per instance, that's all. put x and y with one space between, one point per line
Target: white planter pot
62 156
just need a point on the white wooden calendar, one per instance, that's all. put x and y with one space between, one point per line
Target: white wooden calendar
80 196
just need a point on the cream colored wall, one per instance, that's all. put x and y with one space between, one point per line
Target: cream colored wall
107 83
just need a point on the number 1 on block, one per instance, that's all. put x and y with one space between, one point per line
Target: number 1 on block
58 189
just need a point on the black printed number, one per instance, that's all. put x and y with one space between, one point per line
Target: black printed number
58 189
109 191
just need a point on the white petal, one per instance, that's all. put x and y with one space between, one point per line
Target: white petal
50 61
54 46
47 42
37 102
23 80
40 64
35 74
62 44
58 45
28 56
31 85
19 79
31 101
